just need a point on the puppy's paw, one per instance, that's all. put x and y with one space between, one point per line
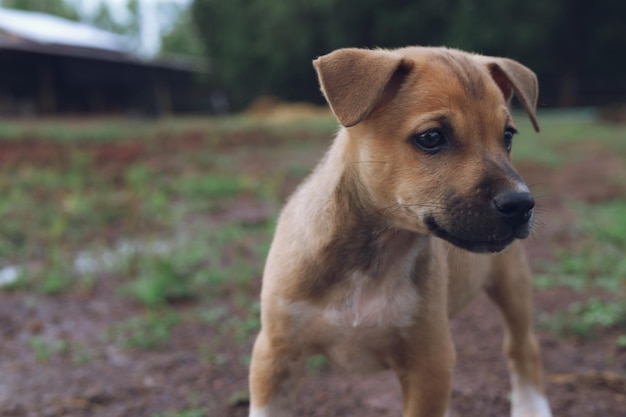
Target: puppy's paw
530 404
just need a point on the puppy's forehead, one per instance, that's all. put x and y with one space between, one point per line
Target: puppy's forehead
451 67
464 70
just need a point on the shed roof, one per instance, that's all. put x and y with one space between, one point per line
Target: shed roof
50 30
46 34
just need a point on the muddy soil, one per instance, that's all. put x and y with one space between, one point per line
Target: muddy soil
96 377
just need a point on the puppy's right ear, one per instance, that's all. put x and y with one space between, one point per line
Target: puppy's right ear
354 80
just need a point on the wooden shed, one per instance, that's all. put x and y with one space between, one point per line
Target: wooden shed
50 65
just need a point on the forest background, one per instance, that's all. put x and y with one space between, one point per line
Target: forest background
265 47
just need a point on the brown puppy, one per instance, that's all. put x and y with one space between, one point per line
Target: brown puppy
413 210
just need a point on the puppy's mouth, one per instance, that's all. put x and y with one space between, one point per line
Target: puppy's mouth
493 243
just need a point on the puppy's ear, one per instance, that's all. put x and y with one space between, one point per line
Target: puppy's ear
513 77
354 80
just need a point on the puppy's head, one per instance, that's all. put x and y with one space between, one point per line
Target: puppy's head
429 139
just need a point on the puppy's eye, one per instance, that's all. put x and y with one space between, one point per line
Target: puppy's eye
430 141
508 138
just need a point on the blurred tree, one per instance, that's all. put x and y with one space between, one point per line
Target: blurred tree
516 29
259 46
266 46
182 36
586 49
563 40
61 8
133 25
103 18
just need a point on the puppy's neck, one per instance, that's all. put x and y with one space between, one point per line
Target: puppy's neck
347 202
331 234
337 191
348 233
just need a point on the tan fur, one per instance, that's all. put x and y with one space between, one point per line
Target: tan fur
356 271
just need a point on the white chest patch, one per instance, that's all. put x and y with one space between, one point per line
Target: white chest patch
368 321
372 304
359 325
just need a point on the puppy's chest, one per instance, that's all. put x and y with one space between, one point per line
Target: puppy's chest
372 305
381 297
372 315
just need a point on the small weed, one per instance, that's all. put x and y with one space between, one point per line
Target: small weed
203 262
214 315
592 265
160 279
246 328
185 413
82 354
245 359
316 363
147 332
239 398
243 328
621 341
215 186
606 221
44 349
216 278
56 276
211 357
584 318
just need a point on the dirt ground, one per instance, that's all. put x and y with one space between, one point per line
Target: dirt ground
585 377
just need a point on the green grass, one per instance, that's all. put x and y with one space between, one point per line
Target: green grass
204 263
561 135
186 200
597 262
53 210
146 332
211 357
57 208
106 130
606 221
584 319
44 349
185 413
316 363
594 265
111 130
160 279
247 326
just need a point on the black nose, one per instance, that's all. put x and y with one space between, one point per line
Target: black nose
515 208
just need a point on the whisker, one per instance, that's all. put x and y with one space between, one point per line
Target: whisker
427 205
369 162
395 207
542 210
450 249
537 225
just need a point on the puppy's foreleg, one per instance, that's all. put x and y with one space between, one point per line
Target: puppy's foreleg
271 380
511 291
425 374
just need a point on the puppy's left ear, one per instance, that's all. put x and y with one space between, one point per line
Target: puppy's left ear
513 77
